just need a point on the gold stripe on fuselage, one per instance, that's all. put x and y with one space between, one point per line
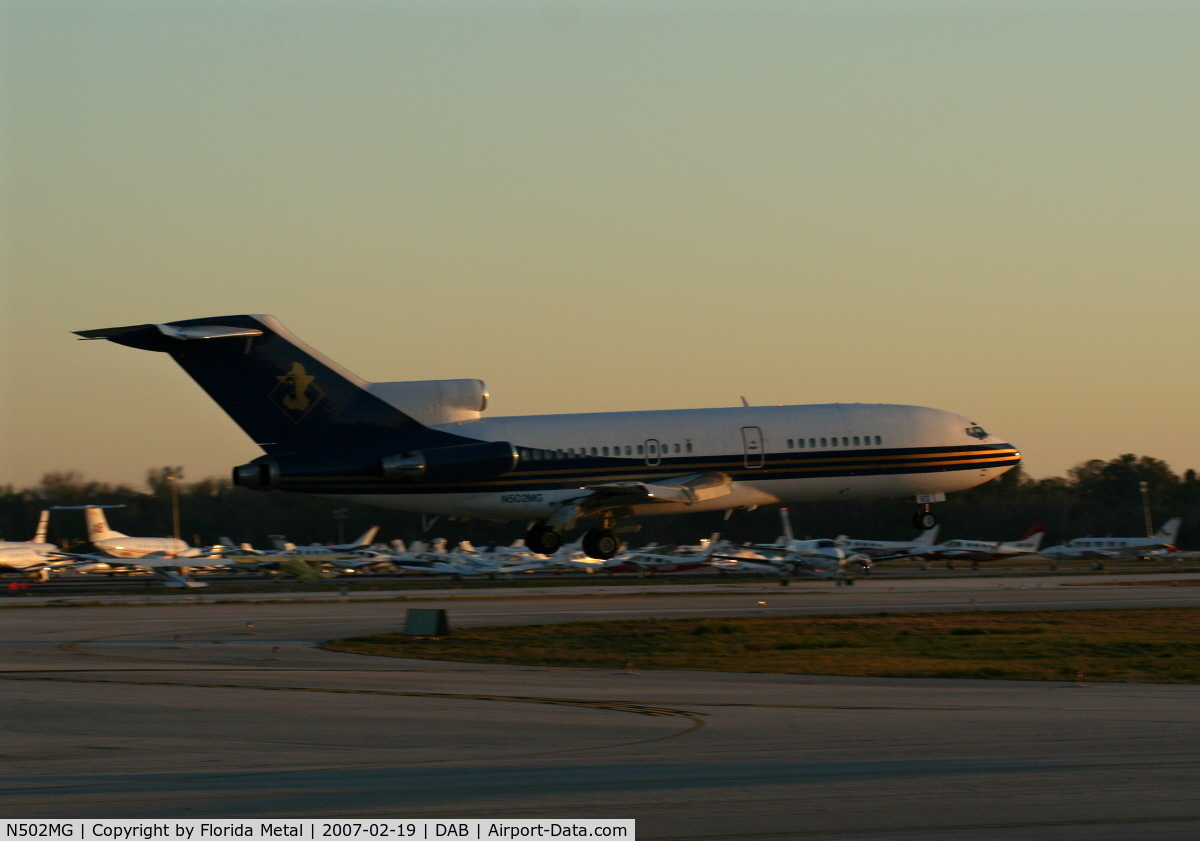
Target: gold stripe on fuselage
966 460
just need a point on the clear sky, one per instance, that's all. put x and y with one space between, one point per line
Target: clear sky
988 207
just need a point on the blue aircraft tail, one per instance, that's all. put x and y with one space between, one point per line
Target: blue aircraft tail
285 395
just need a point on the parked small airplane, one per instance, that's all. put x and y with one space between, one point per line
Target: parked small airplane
34 555
976 551
1110 548
889 547
283 547
163 555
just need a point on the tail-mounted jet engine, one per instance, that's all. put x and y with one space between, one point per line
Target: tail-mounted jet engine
462 463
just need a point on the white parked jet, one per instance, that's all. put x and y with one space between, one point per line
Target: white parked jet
283 547
1110 548
426 447
167 557
33 555
977 551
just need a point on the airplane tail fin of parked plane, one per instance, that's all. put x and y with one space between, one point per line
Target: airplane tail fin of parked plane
366 538
287 396
786 520
43 526
97 524
1031 541
927 537
1170 530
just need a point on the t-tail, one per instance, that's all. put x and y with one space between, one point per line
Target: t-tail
317 421
285 395
97 523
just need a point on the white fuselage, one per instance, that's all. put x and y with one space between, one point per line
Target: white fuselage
141 547
20 556
771 454
1091 547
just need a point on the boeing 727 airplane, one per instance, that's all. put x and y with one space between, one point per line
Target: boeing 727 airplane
426 447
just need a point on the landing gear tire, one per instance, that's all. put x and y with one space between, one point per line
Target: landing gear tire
924 520
543 540
601 544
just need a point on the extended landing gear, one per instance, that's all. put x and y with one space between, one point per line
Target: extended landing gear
923 518
543 540
601 544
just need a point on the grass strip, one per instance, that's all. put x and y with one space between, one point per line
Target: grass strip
1134 645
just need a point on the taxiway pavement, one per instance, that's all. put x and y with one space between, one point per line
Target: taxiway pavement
107 714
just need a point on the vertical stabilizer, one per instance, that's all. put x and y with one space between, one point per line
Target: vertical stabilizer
285 395
97 524
1031 541
784 517
927 537
1170 530
43 527
365 539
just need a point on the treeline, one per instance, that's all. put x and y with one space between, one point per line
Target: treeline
1096 498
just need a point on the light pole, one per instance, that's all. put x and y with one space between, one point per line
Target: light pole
1145 486
173 475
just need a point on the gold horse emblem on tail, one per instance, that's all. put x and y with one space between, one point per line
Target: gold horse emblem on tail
299 380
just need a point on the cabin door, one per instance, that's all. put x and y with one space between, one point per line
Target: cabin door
753 441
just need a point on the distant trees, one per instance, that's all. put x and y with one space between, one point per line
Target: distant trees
1096 497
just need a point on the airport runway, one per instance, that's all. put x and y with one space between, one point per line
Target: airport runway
106 715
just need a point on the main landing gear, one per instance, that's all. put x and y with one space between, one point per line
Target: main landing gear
601 544
543 540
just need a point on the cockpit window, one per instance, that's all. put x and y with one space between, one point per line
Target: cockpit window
977 432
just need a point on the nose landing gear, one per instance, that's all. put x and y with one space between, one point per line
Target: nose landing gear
923 518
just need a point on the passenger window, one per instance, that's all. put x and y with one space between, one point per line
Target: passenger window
856 440
689 446
641 450
628 450
812 442
823 442
606 450
790 443
676 448
653 449
878 440
845 442
593 451
800 443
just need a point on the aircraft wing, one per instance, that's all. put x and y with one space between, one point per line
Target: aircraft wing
693 487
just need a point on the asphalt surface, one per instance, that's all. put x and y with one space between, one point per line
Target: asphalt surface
107 714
